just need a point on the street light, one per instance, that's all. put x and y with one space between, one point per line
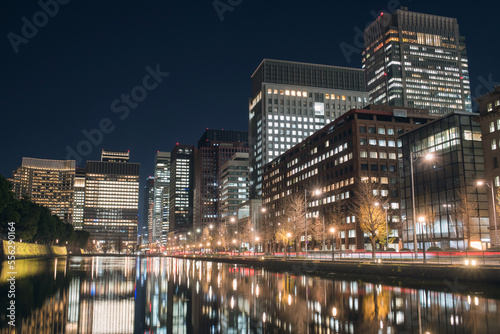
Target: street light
332 230
288 235
415 156
490 184
315 192
421 219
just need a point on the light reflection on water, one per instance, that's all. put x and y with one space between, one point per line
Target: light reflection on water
165 295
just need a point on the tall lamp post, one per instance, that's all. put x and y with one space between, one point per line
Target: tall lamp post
490 184
421 219
332 230
316 192
415 156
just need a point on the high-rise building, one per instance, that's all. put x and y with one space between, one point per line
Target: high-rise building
161 198
290 101
112 200
215 147
416 60
359 146
453 208
145 230
79 202
234 185
489 120
181 188
49 183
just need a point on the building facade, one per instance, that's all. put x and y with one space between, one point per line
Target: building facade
159 228
416 60
360 146
49 183
215 148
112 200
145 230
181 188
290 101
453 207
489 120
234 186
79 202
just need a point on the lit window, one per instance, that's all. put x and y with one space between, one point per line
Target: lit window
363 154
281 92
384 193
390 131
343 97
327 96
492 126
394 206
381 131
372 142
287 92
293 93
269 91
497 103
494 144
383 155
497 181
373 155
276 91
490 107
384 180
392 156
381 142
391 143
304 94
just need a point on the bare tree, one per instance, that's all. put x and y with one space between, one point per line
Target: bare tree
430 215
371 218
465 212
291 219
246 231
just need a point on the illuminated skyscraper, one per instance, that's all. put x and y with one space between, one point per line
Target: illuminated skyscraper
181 188
161 207
49 183
79 202
417 60
147 213
112 200
215 147
290 101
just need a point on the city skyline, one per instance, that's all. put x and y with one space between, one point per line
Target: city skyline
74 89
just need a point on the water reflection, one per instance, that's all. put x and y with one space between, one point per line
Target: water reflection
163 295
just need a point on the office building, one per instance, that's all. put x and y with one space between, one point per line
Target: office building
145 230
181 188
112 201
234 185
489 120
49 183
290 101
446 185
79 202
215 147
161 198
359 146
416 60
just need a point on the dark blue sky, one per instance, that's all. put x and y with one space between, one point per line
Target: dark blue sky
64 79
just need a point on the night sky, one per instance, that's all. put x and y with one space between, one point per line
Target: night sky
65 77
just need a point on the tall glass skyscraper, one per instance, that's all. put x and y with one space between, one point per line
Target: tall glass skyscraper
161 208
417 60
112 200
290 101
181 188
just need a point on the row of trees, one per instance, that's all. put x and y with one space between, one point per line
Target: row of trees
35 223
